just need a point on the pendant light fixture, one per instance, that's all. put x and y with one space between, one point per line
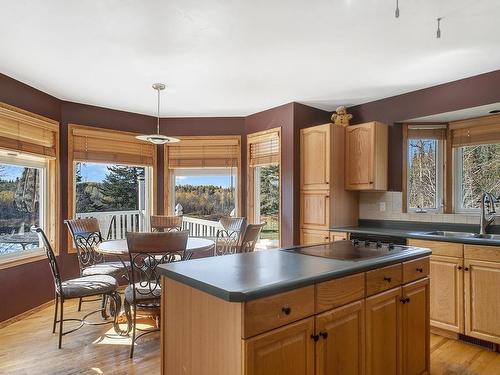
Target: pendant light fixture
396 13
438 31
158 139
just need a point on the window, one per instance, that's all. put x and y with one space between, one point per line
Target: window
115 194
424 169
477 171
207 193
23 195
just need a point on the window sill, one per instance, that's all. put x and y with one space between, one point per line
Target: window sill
14 260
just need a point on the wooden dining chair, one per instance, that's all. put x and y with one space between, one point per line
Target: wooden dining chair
228 238
146 252
86 237
165 223
86 286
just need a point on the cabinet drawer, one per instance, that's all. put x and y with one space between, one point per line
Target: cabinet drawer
267 313
338 292
383 278
415 269
480 252
448 249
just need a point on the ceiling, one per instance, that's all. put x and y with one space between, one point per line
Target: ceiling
462 114
238 57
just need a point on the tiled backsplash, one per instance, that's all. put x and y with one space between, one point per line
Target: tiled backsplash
370 208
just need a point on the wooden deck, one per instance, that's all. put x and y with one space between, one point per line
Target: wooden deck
28 347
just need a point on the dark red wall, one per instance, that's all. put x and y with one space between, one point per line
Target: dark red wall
465 93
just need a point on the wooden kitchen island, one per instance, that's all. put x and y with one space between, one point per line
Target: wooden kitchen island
285 313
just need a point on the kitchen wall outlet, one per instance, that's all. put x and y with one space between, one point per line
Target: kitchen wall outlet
382 206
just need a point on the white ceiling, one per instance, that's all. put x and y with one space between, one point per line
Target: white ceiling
237 57
462 114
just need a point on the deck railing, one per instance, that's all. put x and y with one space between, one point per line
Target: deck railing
115 224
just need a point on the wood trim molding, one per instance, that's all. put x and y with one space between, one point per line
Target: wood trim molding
25 314
23 259
250 183
168 174
22 115
404 172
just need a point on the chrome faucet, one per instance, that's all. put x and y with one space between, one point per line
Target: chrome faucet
488 212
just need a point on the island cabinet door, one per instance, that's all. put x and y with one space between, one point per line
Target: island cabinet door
284 351
341 346
383 333
482 300
447 293
416 328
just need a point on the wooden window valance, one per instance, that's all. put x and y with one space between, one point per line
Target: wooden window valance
27 133
478 131
109 146
437 133
264 148
204 152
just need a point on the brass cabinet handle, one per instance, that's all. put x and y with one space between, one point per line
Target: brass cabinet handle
324 334
315 337
388 279
420 269
459 267
286 310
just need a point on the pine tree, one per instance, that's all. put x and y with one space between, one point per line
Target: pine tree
120 190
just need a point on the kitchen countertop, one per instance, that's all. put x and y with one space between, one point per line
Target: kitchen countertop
244 277
416 230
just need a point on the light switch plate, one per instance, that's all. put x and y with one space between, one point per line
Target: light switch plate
382 206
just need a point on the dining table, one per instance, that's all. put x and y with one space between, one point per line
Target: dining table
119 249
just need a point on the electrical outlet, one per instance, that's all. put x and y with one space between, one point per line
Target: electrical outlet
382 206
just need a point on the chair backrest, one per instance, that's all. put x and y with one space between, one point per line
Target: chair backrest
165 223
148 250
86 237
51 257
251 237
228 239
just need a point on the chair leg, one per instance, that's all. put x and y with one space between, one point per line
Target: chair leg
133 331
61 323
55 313
104 303
80 304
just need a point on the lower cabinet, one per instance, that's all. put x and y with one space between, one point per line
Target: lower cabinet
482 296
284 351
341 345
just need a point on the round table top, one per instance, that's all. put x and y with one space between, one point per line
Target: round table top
119 247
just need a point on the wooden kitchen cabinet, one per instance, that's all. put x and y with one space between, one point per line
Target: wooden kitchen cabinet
311 236
383 327
482 299
324 202
416 328
366 156
287 350
447 293
341 347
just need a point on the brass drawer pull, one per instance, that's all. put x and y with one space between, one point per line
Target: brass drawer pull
388 279
286 310
419 269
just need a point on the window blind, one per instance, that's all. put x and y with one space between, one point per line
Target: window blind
201 152
101 145
27 134
264 149
438 133
482 130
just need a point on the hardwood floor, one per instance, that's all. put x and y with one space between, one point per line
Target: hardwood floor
29 347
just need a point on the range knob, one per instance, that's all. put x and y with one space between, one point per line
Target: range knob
379 244
355 242
391 246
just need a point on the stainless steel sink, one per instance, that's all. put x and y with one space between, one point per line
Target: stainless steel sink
451 234
495 237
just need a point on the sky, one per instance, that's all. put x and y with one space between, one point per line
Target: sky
11 172
94 172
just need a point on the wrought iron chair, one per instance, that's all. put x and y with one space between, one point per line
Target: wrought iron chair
146 252
165 223
251 237
87 286
228 239
86 237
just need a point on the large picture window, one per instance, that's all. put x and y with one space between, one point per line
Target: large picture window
477 171
22 202
115 194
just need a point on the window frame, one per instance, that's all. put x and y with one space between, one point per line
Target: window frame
50 154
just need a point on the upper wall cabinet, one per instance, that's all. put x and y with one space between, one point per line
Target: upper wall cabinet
366 161
315 157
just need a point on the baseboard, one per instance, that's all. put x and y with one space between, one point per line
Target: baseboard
25 314
445 333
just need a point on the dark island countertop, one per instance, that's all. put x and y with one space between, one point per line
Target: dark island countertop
417 230
244 277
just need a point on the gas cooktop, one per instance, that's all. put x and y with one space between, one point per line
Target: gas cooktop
354 250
